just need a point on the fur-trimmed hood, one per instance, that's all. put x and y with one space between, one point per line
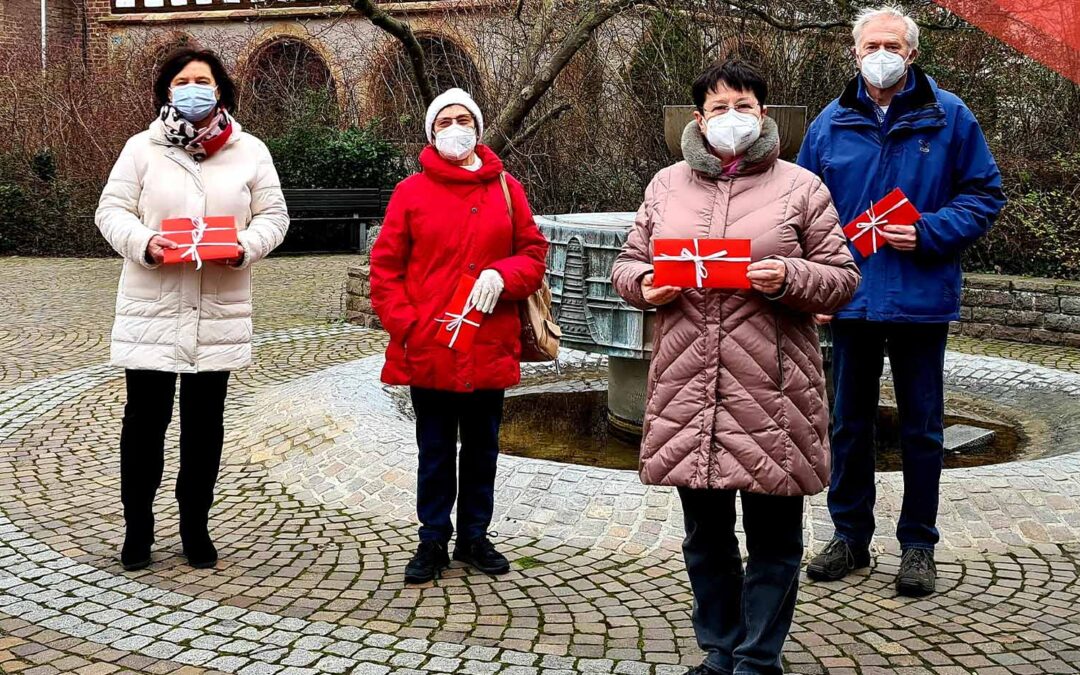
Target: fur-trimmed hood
759 157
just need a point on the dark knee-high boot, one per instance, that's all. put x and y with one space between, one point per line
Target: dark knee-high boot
147 414
202 431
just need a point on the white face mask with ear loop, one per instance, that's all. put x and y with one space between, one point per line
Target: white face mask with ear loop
733 132
883 68
455 142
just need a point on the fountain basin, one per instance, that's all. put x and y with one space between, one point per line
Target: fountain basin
575 428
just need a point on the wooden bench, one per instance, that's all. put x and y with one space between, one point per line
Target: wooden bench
352 208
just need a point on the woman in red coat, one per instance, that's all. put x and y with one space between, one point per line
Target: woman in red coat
449 220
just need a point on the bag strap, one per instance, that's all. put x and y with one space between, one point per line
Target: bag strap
509 207
506 193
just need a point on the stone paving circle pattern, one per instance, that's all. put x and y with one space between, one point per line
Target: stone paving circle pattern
314 521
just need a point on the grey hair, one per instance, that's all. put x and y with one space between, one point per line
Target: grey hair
891 11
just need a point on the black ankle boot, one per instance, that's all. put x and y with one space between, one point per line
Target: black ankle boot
198 547
137 542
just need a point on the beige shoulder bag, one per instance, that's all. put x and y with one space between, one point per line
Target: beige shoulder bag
540 335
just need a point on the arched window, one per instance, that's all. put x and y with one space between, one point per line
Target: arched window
286 81
395 97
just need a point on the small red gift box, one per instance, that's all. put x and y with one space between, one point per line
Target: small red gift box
701 263
211 238
866 230
461 319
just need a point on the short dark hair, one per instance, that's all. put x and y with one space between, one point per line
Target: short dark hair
734 74
178 60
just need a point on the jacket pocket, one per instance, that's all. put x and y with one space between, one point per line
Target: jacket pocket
139 283
233 285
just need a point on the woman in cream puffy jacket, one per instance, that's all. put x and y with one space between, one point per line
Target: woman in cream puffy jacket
194 161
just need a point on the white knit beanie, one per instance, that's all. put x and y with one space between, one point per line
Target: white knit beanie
446 99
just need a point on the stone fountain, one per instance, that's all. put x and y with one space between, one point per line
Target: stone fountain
592 316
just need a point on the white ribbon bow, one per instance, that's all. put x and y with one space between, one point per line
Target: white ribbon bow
700 271
456 321
199 228
876 221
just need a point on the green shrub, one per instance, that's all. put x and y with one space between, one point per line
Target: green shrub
42 213
16 223
314 155
1038 234
324 157
311 150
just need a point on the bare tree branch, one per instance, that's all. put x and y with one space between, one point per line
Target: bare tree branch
754 9
529 93
538 37
535 74
547 118
404 34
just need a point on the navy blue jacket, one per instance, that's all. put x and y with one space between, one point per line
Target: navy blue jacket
930 146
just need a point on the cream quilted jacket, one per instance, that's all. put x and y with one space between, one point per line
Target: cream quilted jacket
174 317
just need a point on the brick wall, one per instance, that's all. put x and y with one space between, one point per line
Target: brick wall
98 33
358 296
1044 311
20 24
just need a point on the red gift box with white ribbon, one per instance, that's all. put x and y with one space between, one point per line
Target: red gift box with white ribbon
461 319
865 232
701 263
199 239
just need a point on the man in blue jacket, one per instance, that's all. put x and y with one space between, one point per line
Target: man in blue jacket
893 127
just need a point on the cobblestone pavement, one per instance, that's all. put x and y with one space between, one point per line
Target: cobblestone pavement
314 523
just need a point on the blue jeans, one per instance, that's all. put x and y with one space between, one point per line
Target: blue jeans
917 356
741 620
439 417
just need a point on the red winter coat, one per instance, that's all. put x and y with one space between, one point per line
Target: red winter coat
441 223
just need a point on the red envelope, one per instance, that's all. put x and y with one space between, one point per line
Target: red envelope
893 209
210 238
460 321
701 263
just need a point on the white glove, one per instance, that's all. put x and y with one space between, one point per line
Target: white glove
485 293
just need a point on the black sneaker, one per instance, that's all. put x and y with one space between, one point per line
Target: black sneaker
702 670
836 561
428 562
917 577
481 554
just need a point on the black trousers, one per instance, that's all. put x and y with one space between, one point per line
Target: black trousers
440 415
742 617
147 414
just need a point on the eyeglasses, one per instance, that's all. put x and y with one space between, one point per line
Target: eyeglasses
465 120
741 107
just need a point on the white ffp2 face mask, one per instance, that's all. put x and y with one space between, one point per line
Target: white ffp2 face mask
455 142
733 132
883 68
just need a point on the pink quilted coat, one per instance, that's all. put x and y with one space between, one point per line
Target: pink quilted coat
736 391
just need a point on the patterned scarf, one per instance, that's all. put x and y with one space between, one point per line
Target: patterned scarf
199 143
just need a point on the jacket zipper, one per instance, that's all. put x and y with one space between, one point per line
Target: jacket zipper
719 356
779 351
